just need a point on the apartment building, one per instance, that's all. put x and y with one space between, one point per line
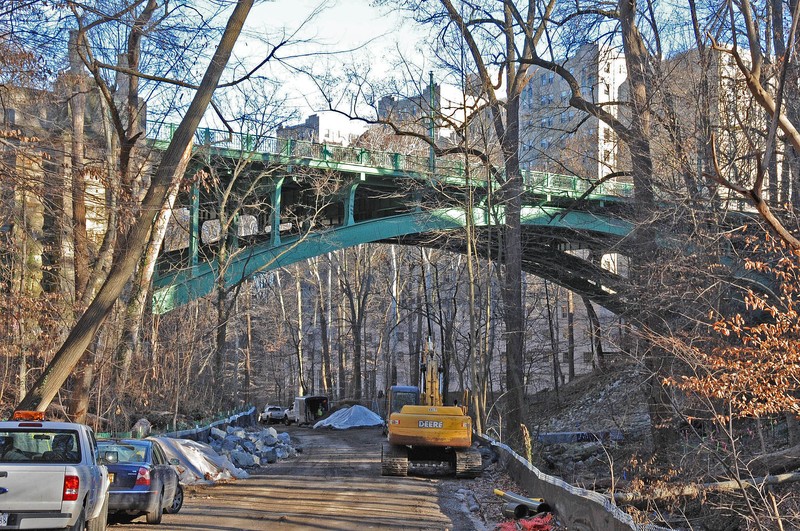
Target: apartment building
557 138
324 128
451 106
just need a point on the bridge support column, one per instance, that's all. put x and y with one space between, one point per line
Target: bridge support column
350 199
275 216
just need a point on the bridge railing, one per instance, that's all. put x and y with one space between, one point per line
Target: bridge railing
535 181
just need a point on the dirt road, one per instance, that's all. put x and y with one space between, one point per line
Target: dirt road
334 484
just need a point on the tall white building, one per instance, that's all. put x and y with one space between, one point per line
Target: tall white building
557 138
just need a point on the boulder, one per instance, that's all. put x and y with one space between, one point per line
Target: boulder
231 442
237 432
268 456
242 459
141 429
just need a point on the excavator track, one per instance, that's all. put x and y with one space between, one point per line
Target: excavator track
468 463
394 460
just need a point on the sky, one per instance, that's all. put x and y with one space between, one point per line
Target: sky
349 31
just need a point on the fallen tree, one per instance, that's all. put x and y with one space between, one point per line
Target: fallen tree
696 489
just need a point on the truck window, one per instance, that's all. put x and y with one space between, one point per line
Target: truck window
39 445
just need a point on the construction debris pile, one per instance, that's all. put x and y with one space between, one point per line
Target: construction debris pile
249 449
227 455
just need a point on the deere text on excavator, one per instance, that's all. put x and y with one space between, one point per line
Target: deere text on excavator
430 434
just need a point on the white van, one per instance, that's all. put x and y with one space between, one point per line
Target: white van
307 409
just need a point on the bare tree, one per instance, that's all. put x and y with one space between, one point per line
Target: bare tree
171 168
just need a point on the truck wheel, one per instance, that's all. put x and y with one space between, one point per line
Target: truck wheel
177 501
99 523
154 517
80 523
286 420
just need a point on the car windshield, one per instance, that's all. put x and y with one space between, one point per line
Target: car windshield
36 445
126 452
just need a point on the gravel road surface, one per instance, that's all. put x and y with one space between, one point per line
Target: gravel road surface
333 484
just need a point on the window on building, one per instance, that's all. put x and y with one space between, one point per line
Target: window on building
544 79
400 336
565 357
564 96
544 144
587 356
607 135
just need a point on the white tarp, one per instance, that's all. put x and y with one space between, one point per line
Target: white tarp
350 417
199 463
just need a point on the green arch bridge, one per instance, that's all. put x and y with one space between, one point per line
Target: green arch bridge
295 200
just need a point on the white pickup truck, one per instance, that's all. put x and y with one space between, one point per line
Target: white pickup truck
50 477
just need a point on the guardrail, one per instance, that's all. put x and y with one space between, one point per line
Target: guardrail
577 508
291 149
198 433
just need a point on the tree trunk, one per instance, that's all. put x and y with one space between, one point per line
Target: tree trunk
27 272
596 333
82 383
342 387
571 334
301 378
78 108
249 346
646 250
324 294
171 168
129 343
553 329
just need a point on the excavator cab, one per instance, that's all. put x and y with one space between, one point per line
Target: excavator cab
401 395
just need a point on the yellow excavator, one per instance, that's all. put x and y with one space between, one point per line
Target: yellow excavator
430 435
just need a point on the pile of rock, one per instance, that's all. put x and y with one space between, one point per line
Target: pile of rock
249 449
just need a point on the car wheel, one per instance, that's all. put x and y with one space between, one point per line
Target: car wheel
154 517
80 523
177 502
101 520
